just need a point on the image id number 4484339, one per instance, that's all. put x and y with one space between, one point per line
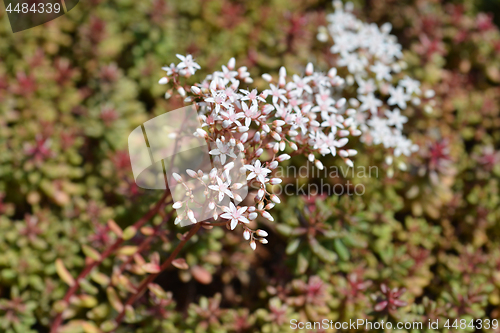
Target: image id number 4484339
34 8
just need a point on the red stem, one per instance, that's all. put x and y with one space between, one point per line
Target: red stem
74 288
144 284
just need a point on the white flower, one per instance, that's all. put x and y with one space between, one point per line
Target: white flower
398 97
276 93
252 96
188 63
222 150
369 102
299 85
219 99
395 118
382 72
257 171
404 146
231 117
222 188
412 86
234 214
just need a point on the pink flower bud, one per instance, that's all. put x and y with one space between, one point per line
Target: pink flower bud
191 173
276 136
267 216
260 194
275 198
270 206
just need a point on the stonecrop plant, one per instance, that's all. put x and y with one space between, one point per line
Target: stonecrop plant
250 134
313 115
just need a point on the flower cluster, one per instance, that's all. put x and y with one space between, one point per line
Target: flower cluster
250 133
372 58
313 115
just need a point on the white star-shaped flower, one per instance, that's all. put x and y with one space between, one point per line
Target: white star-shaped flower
222 188
234 214
223 149
257 171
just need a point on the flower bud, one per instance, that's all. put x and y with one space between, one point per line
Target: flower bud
261 233
267 216
163 80
191 173
242 129
181 91
231 64
246 234
309 69
275 181
177 177
195 90
273 165
201 133
275 198
283 157
267 77
332 72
